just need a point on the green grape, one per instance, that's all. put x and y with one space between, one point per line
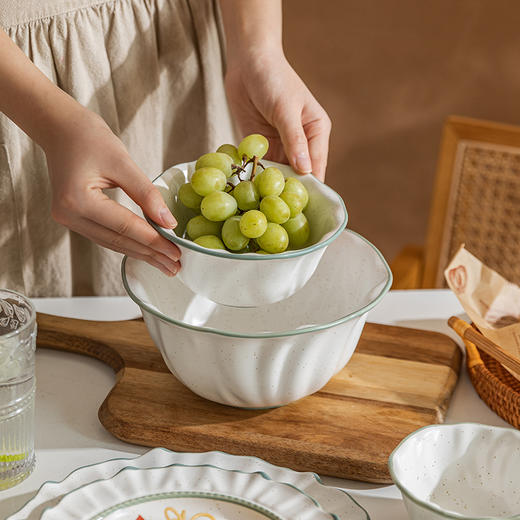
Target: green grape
210 241
232 236
262 252
274 240
254 144
189 197
199 226
218 206
232 151
275 209
295 201
270 182
246 195
246 249
208 180
221 161
253 223
293 185
298 231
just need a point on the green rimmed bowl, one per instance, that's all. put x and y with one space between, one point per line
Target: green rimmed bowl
252 280
265 356
461 471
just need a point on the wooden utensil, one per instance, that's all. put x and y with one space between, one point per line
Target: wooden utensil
397 381
466 331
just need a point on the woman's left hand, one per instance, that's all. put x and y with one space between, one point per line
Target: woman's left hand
266 96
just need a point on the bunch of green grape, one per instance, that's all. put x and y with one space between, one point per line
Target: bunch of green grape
245 208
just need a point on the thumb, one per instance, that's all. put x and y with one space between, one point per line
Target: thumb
290 128
141 190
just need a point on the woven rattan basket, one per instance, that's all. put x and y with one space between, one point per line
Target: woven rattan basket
494 384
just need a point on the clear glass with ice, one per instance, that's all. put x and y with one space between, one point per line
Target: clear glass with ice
17 387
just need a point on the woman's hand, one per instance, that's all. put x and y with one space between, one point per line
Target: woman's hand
268 97
87 159
265 94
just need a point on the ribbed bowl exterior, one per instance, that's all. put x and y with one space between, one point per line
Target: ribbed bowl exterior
255 372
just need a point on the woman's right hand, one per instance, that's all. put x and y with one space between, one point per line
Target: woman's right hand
88 158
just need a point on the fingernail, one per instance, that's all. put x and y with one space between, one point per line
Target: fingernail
303 163
167 218
166 271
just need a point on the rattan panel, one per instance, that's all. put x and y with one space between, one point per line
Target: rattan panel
484 208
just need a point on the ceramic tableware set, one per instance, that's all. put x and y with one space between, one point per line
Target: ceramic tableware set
260 331
244 330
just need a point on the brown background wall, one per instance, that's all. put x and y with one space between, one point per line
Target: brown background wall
388 72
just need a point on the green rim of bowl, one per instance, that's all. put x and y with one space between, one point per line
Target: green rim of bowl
262 474
428 505
248 256
305 330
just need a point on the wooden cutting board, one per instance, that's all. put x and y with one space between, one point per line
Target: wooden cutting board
398 380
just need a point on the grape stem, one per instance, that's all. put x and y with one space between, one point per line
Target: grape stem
238 170
253 170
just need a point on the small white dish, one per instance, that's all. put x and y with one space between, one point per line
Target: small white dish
203 491
271 355
331 499
460 471
251 280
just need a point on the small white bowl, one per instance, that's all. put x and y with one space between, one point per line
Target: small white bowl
463 471
265 356
251 280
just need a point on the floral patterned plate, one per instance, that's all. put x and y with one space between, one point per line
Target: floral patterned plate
331 499
201 491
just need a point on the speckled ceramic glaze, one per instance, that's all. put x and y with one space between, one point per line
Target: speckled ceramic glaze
250 280
336 501
271 355
200 491
464 471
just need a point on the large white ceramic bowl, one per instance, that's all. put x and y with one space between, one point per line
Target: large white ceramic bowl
251 280
271 355
461 471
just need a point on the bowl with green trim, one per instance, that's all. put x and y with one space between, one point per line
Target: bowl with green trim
251 279
270 355
464 471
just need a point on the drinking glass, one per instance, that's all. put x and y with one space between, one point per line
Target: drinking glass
17 387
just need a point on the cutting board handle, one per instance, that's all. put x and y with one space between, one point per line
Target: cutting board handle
79 336
118 344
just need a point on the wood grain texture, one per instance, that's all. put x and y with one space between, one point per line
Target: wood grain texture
398 380
467 332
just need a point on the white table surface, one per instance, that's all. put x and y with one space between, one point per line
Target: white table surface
70 389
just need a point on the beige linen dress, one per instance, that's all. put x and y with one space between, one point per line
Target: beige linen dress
153 70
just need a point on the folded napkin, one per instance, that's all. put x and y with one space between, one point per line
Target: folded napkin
492 303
